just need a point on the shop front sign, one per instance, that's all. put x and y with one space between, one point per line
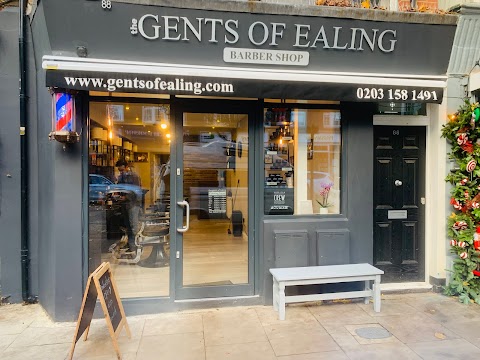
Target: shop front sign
258 33
160 49
162 34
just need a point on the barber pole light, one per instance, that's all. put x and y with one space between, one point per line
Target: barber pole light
63 118
63 112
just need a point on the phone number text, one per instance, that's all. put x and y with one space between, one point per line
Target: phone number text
365 93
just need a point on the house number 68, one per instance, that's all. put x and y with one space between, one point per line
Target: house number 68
396 132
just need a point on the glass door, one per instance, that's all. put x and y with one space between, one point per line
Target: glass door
213 240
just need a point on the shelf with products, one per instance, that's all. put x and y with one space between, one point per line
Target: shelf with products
278 150
278 161
277 116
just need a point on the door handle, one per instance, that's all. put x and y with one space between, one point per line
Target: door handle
398 183
185 203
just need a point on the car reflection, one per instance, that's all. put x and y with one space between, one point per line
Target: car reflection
100 185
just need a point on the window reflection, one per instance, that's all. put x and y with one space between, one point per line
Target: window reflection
129 194
215 183
302 161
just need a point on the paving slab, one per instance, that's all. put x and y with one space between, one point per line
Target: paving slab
236 327
338 313
189 346
389 307
397 351
415 328
173 324
6 341
326 355
420 326
251 351
302 343
37 352
448 349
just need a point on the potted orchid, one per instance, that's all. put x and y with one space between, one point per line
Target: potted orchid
325 187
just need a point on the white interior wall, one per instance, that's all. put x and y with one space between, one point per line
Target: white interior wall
300 177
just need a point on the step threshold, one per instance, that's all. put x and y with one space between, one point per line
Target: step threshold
405 287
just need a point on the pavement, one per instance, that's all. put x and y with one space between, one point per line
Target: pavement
409 326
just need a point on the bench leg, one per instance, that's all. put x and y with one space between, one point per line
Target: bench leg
281 301
376 294
275 295
367 287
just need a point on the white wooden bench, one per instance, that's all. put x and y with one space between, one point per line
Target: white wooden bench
309 275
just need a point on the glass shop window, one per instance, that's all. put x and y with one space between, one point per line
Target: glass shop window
392 108
302 149
129 194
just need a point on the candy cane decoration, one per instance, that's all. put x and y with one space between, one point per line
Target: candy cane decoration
462 139
471 165
460 225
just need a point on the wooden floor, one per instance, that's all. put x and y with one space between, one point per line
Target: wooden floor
211 257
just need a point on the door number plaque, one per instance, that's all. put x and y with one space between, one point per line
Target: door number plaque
397 214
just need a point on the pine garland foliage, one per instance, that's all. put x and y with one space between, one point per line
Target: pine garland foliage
463 133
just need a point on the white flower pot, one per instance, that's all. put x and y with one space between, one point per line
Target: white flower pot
323 211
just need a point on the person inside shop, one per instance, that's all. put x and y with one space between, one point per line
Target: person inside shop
131 201
127 175
164 193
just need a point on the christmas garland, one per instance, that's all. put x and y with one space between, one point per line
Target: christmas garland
463 133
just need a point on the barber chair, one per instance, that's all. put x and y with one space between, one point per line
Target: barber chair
153 232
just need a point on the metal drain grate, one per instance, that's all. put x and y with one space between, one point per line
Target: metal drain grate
373 333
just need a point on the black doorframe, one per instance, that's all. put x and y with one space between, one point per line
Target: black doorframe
421 131
180 105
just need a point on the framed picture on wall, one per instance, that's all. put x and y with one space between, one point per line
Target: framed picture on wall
268 159
115 113
140 157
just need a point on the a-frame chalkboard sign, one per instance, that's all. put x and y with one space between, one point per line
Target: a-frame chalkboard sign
101 285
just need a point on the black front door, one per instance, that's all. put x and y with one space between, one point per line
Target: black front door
399 191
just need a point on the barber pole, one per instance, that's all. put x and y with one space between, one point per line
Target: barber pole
63 118
63 112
